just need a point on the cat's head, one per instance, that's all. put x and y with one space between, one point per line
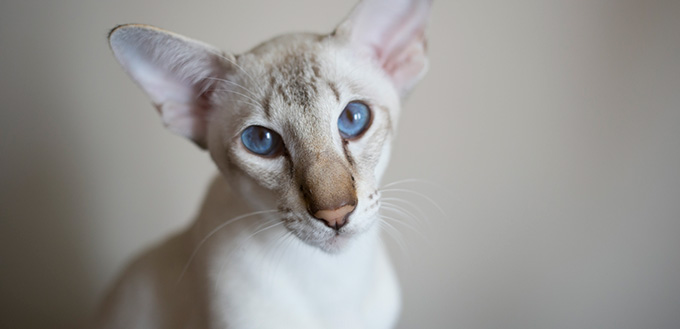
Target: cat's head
301 123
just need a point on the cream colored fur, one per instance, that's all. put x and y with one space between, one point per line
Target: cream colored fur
255 257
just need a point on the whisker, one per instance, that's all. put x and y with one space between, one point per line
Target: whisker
286 242
407 202
215 230
435 204
402 211
410 180
234 84
233 62
266 228
402 245
252 102
422 216
405 224
245 240
269 254
426 240
260 228
394 234
266 251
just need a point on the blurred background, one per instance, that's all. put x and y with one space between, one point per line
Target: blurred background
551 130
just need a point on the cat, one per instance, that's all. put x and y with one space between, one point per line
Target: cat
300 128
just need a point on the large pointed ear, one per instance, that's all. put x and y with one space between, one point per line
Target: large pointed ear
175 71
393 33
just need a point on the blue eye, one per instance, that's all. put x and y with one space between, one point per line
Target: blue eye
261 141
354 120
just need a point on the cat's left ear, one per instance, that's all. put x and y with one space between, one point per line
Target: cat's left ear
392 32
175 72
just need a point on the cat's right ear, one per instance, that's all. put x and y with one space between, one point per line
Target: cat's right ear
392 33
174 71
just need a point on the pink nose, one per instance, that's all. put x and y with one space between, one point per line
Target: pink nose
335 218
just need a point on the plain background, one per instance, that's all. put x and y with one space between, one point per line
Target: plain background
550 129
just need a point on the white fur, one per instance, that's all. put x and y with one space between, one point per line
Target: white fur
237 280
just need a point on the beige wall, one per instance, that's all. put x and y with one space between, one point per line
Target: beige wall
551 127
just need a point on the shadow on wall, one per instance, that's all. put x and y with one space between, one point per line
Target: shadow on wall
45 278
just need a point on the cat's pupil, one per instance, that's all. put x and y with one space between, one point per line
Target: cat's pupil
262 141
354 120
352 116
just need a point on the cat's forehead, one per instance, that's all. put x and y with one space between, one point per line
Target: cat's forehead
294 74
296 78
297 61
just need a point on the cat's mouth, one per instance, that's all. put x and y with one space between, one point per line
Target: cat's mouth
312 232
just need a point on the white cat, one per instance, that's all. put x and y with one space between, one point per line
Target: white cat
300 128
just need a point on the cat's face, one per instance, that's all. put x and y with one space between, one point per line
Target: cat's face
297 87
301 123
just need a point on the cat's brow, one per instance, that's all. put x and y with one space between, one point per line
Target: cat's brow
296 78
334 88
266 104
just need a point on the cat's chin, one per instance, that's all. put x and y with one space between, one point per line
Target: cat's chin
333 243
337 244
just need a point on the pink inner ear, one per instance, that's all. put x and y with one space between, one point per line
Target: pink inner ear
407 64
185 120
394 31
406 67
177 101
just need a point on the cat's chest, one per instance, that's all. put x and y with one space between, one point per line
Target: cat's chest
302 288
